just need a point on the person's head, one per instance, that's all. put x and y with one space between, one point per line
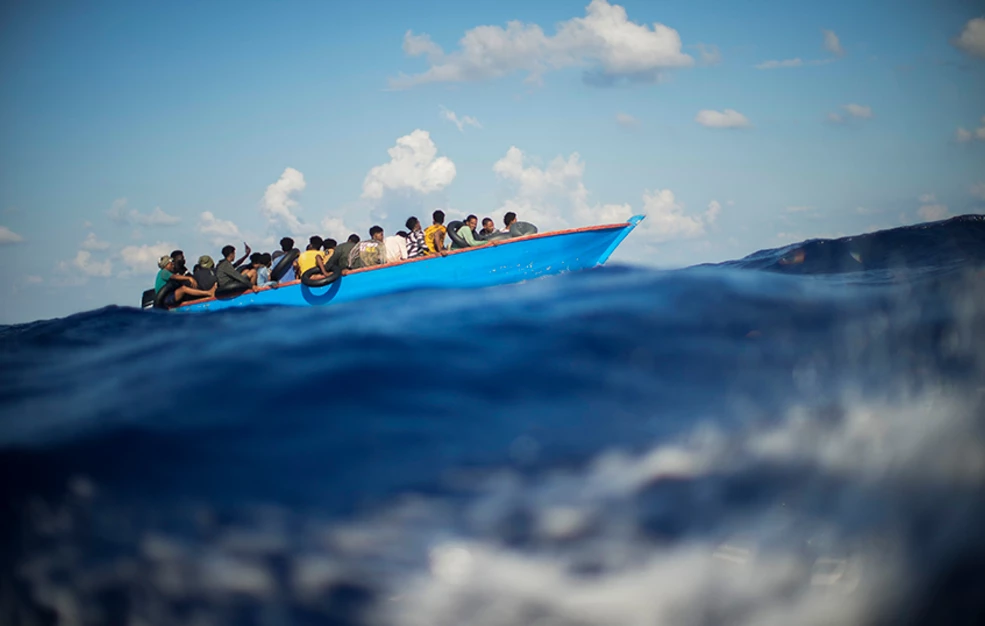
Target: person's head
165 263
509 218
205 261
438 217
329 244
412 223
256 259
488 225
403 233
229 253
315 242
177 256
472 221
376 232
265 259
286 244
353 238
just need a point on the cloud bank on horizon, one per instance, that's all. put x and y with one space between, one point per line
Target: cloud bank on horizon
547 148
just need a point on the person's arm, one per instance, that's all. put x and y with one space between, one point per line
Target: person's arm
469 239
247 252
185 279
320 261
439 240
235 275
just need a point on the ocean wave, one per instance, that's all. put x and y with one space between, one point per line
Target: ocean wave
620 446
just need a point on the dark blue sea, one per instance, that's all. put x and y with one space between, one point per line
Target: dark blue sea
796 437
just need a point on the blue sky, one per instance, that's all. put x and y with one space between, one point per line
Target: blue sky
132 128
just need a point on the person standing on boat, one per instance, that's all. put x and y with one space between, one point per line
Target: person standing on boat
434 235
231 279
416 246
518 229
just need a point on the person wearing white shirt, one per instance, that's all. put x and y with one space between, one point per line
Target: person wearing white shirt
396 247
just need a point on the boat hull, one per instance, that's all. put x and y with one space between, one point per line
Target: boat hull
500 263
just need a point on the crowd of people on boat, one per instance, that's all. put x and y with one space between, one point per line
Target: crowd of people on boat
323 259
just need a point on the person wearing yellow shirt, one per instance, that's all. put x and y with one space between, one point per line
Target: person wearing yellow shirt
311 262
434 235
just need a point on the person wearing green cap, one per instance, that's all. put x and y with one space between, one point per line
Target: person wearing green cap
204 272
187 285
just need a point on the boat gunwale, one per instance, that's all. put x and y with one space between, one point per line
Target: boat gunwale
426 257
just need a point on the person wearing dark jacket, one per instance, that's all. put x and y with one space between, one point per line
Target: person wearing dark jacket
342 251
231 279
204 273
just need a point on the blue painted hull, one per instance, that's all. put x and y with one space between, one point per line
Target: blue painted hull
505 262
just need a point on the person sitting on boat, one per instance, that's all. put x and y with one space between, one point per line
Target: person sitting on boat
312 262
517 229
370 252
396 247
178 257
328 247
286 245
261 263
341 256
489 229
188 285
467 232
416 246
230 278
204 273
434 235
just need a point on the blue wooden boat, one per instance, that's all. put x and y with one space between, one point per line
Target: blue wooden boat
497 263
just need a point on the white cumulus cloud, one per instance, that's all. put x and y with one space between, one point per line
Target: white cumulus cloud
963 135
9 236
858 110
710 55
831 42
776 64
932 210
460 122
728 118
414 166
92 242
555 197
85 265
219 231
971 41
143 259
626 120
278 200
666 220
605 40
157 217
119 213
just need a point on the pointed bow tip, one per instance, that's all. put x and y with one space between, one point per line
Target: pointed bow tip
636 219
